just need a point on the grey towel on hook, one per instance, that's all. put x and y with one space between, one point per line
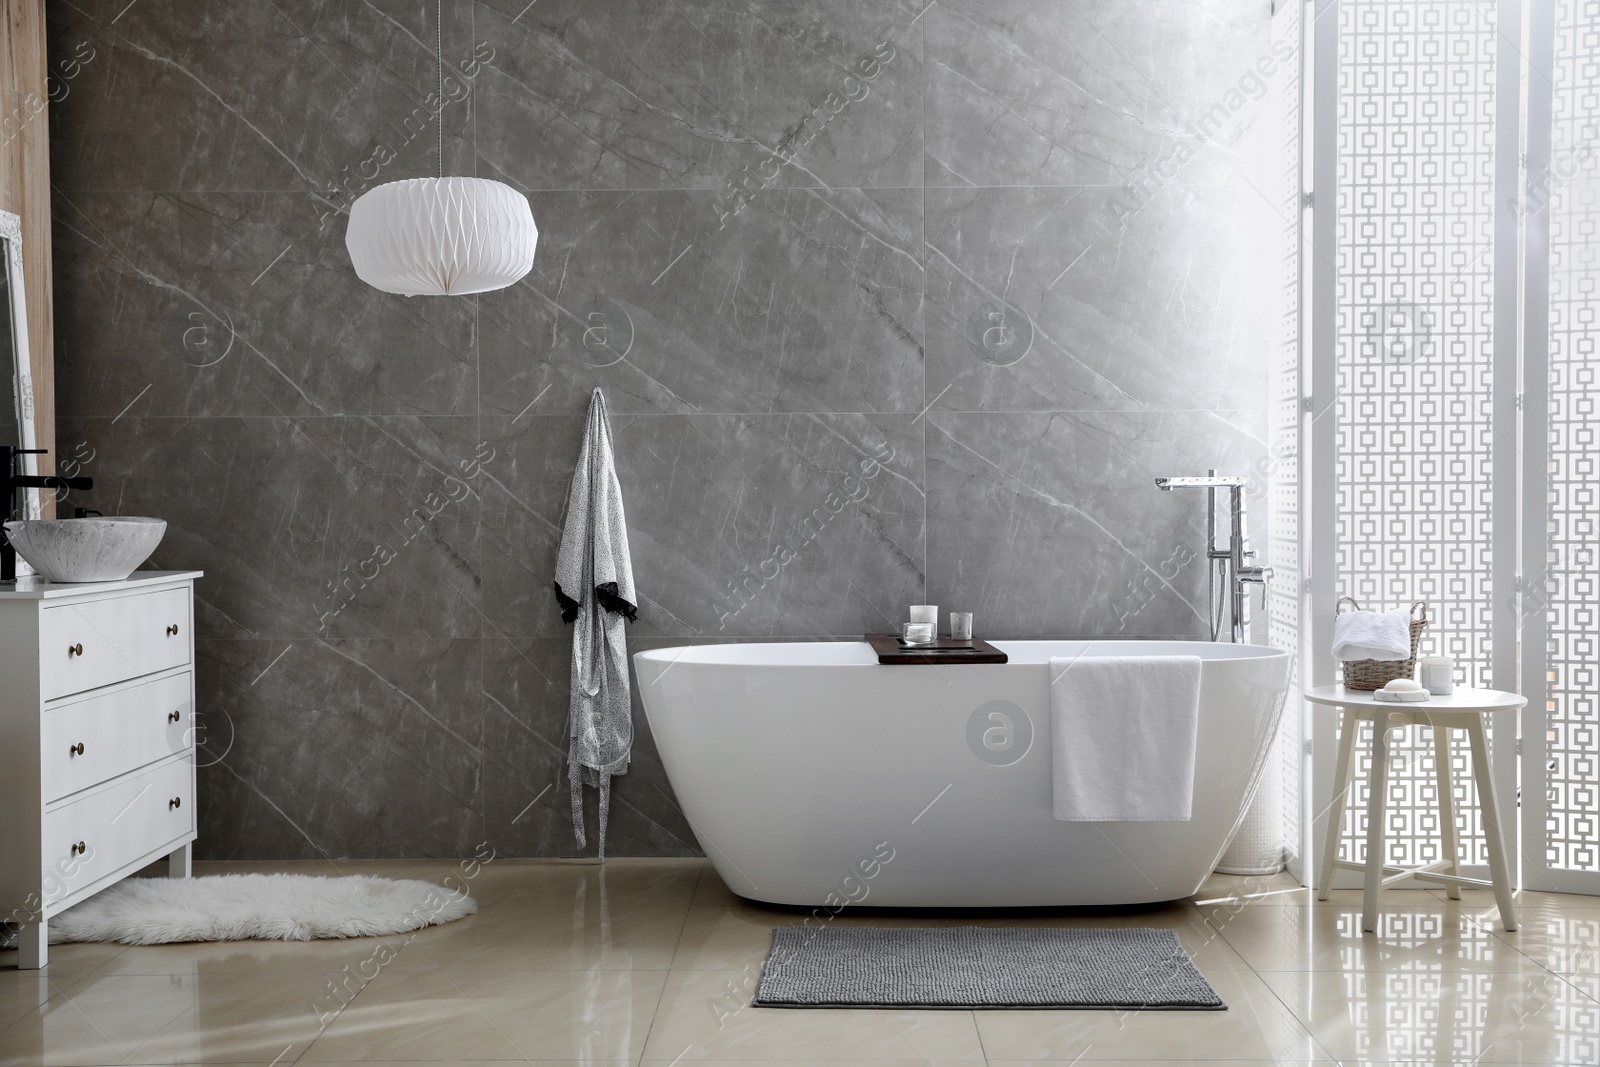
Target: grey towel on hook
594 586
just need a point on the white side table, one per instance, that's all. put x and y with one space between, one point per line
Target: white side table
1462 710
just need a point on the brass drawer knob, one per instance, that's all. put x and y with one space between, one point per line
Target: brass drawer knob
172 631
175 802
75 750
74 650
79 848
172 716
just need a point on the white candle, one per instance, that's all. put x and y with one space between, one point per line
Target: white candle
1438 675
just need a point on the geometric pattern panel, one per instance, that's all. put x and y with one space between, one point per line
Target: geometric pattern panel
1568 591
1283 426
1416 102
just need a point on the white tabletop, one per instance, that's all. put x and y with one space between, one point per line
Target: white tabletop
1463 699
33 587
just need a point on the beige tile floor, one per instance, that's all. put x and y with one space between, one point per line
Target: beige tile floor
652 962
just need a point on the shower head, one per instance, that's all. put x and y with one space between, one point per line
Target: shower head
1213 481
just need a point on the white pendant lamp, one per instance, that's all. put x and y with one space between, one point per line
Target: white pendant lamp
441 236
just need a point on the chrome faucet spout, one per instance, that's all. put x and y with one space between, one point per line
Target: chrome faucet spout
1209 482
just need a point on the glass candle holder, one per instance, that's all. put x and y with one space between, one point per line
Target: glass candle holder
928 613
961 626
917 633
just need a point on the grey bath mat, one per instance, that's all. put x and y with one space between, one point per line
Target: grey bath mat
980 967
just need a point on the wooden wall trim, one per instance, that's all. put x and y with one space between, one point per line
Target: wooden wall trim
25 190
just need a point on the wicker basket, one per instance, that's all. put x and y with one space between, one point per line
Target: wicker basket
1370 674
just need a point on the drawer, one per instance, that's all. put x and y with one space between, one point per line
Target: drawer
102 642
118 732
119 824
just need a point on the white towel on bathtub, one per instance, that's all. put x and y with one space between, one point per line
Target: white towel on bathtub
1122 737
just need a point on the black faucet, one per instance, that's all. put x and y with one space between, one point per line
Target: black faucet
9 457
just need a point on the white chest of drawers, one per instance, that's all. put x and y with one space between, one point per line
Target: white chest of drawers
96 740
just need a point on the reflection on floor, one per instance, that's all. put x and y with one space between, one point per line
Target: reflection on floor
654 961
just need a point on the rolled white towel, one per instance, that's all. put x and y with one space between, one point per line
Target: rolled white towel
1372 635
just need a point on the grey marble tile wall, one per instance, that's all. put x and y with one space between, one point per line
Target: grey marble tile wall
1011 250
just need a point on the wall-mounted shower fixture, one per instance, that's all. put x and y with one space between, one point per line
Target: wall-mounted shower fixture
1225 566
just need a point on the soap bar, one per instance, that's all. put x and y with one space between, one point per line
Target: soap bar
1401 691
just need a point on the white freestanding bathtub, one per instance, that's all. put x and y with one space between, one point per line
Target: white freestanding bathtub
813 775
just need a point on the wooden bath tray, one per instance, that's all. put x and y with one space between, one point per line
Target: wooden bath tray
943 650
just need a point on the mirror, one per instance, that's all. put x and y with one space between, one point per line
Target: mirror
16 399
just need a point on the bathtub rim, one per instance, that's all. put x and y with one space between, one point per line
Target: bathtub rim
858 653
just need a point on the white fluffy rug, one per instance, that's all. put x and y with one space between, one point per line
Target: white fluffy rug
237 907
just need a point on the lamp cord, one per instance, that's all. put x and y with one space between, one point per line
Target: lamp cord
438 52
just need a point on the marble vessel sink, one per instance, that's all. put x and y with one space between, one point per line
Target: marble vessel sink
86 550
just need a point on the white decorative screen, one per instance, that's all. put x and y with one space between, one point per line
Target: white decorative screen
1569 590
1283 427
1416 99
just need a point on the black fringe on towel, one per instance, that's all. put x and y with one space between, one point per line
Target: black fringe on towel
569 607
607 595
614 603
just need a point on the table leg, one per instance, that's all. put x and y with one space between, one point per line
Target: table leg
1342 772
1376 803
1447 803
1499 870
